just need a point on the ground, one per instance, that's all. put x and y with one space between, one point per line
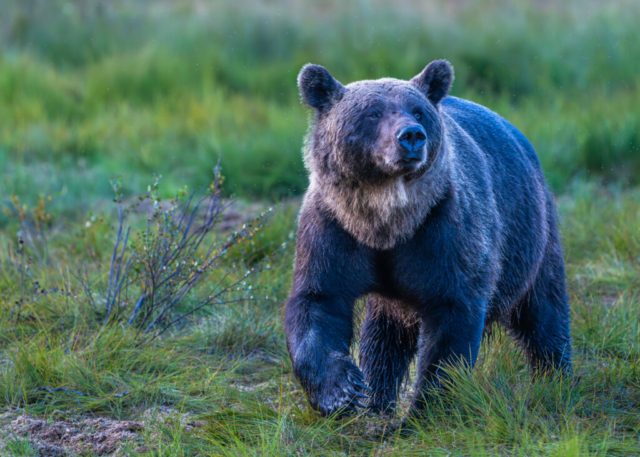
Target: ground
222 384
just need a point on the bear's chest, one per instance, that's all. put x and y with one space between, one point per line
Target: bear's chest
439 264
412 275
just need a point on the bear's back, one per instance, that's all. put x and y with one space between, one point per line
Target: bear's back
512 164
503 143
518 185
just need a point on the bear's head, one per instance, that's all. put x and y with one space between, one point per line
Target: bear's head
374 132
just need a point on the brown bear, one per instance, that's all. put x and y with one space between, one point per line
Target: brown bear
435 208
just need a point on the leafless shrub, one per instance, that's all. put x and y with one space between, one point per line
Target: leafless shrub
152 273
33 224
31 249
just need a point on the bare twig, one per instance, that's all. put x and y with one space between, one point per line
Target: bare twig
167 260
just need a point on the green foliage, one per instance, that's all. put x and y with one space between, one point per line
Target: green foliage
89 90
17 446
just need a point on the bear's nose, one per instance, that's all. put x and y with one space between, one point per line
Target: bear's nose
411 138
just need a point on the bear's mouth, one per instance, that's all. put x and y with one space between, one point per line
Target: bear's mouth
409 164
410 160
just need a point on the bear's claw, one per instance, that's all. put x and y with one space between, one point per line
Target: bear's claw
343 397
358 382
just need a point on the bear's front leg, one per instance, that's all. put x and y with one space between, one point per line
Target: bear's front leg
449 335
319 333
388 344
331 271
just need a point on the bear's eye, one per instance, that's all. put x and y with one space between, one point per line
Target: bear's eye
374 115
417 115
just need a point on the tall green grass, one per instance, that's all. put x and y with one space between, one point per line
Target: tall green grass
229 369
89 90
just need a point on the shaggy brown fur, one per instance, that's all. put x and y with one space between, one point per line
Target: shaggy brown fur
437 210
377 212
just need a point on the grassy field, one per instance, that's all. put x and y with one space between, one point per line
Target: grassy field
93 90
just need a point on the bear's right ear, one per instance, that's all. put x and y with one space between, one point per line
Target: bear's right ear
318 88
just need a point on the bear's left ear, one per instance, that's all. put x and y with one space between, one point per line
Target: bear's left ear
435 80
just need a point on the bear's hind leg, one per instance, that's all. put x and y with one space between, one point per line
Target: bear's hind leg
540 322
388 344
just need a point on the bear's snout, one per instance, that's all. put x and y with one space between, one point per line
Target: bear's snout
411 139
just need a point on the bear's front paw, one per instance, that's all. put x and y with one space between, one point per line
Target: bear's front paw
342 387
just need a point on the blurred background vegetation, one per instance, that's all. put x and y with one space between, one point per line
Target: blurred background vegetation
92 89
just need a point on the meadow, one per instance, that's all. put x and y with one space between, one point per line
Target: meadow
98 99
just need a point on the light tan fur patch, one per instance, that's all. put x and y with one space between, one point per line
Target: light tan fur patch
381 216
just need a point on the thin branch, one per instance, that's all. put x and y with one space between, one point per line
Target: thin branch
115 252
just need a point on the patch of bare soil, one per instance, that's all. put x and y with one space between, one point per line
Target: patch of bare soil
68 438
97 436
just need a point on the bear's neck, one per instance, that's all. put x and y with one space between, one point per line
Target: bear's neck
382 216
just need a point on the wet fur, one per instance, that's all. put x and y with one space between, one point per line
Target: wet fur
467 239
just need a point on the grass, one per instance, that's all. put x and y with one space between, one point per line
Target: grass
229 370
89 91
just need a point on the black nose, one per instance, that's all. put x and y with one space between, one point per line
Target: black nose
412 138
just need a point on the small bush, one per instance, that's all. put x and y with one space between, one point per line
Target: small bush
153 273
